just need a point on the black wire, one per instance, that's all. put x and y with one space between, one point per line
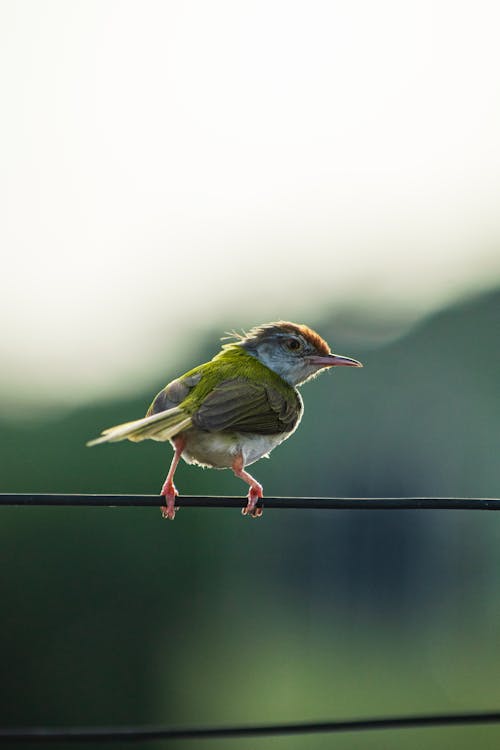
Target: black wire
113 734
311 503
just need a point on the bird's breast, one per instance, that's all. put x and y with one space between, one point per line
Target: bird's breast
218 450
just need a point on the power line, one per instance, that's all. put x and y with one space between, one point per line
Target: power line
310 503
130 733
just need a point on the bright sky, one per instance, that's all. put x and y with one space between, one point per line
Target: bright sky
168 168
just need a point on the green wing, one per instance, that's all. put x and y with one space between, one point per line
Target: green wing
241 405
175 392
211 398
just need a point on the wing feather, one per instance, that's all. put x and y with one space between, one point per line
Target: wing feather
242 406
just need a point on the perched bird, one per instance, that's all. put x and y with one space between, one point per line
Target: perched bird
233 410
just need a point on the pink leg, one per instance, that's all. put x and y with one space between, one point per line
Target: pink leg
168 489
255 492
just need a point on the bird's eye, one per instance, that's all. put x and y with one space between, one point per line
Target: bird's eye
293 345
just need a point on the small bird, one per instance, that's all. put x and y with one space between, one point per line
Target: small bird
233 410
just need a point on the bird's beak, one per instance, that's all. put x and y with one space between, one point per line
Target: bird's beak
333 360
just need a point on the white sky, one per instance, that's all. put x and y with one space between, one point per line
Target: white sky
170 167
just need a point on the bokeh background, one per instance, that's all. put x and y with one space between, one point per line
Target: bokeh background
171 171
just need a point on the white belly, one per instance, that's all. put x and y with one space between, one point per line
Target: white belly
218 449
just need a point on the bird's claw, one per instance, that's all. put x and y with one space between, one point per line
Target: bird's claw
170 493
251 509
168 511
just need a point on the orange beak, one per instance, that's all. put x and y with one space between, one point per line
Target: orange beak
333 360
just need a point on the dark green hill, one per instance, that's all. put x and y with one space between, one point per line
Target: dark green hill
115 616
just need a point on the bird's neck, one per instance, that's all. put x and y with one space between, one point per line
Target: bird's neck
247 364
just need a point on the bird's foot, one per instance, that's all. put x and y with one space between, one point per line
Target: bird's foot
254 495
170 493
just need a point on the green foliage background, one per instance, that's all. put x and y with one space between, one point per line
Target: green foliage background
115 616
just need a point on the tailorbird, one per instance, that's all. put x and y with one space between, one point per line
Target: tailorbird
233 410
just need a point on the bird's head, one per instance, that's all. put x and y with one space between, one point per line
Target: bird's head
295 352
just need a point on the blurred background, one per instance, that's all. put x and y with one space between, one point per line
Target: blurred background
171 171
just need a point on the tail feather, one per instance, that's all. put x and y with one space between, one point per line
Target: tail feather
161 426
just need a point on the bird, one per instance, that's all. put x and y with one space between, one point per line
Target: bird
235 409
